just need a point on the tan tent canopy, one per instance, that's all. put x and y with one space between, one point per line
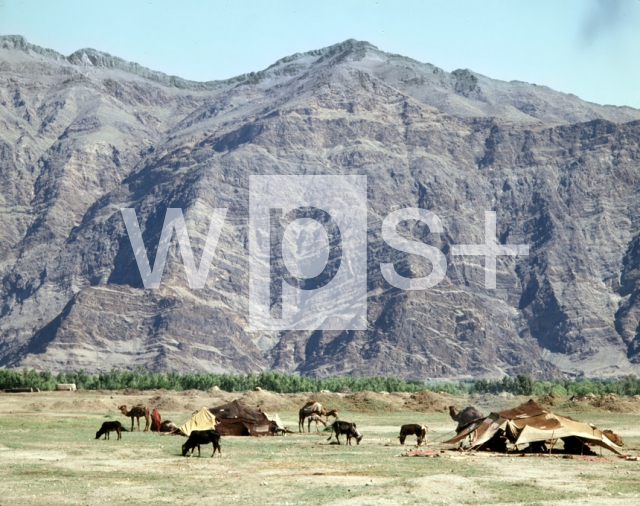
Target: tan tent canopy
530 423
235 419
202 420
275 419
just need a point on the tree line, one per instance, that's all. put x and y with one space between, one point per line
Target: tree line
146 380
289 383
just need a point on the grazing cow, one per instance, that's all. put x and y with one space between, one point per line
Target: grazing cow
109 427
202 437
413 429
349 429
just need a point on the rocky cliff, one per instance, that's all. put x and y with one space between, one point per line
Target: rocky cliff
85 135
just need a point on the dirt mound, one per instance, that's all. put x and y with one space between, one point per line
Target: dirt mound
159 391
273 402
193 393
615 404
426 401
571 407
218 397
366 402
372 402
130 391
551 399
165 403
609 402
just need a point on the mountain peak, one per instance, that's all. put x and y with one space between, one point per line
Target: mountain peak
461 93
20 43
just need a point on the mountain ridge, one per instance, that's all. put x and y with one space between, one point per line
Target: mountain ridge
78 146
99 59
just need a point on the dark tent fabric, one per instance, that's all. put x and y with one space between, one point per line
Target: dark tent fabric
235 419
530 423
526 410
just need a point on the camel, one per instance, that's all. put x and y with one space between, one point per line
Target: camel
137 412
613 437
465 417
314 418
168 426
314 408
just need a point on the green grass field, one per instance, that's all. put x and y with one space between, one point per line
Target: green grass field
51 457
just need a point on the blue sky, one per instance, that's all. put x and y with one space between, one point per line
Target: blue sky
587 47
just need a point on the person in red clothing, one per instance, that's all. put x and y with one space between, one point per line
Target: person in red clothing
155 420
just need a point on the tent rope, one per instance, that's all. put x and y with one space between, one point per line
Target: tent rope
440 437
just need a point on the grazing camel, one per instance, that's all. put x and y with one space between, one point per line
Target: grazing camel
311 408
314 418
136 412
465 417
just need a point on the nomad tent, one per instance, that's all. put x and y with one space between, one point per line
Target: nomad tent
202 420
234 419
531 425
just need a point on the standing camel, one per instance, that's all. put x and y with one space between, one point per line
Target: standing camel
137 412
313 408
465 417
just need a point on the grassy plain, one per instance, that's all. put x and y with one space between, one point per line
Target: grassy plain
48 455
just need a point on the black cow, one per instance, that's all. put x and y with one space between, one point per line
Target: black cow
202 437
349 429
413 429
109 427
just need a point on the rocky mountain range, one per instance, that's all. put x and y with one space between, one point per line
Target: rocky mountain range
85 135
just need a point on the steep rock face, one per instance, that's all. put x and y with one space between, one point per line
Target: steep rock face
87 135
